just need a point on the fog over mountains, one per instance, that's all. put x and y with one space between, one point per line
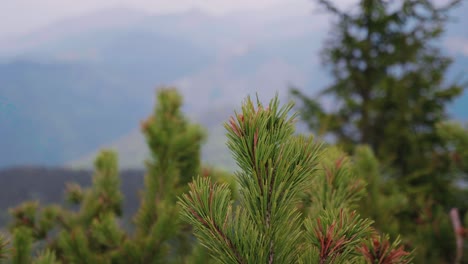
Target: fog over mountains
85 83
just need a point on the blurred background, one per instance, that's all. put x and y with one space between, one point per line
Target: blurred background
76 76
80 76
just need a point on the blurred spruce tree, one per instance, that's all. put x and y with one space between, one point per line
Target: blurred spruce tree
390 91
384 200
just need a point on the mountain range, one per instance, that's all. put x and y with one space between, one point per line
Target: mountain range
85 83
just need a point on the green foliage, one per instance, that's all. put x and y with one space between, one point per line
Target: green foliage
389 92
384 201
3 247
389 85
22 243
295 202
334 229
336 185
296 197
46 257
222 176
456 137
75 193
380 250
101 199
174 145
90 232
75 246
335 235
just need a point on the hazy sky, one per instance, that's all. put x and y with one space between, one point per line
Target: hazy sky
21 16
24 16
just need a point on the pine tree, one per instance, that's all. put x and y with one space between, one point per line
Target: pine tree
89 235
174 145
93 235
297 199
89 230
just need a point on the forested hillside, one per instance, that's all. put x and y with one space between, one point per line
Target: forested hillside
47 185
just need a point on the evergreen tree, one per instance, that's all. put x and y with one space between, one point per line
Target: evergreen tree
389 86
456 138
174 146
89 235
390 92
90 232
384 201
93 235
273 222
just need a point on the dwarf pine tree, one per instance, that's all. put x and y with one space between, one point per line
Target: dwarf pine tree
174 145
90 232
93 233
89 235
297 199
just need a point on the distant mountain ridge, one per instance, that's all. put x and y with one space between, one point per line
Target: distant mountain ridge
85 83
133 150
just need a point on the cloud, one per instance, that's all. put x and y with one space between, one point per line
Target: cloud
22 16
458 45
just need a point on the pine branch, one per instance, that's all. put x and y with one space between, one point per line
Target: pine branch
22 244
336 234
275 171
46 257
208 207
3 247
379 250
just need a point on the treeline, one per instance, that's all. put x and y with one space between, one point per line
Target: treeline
48 185
91 225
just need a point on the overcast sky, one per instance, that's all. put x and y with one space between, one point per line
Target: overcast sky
21 16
